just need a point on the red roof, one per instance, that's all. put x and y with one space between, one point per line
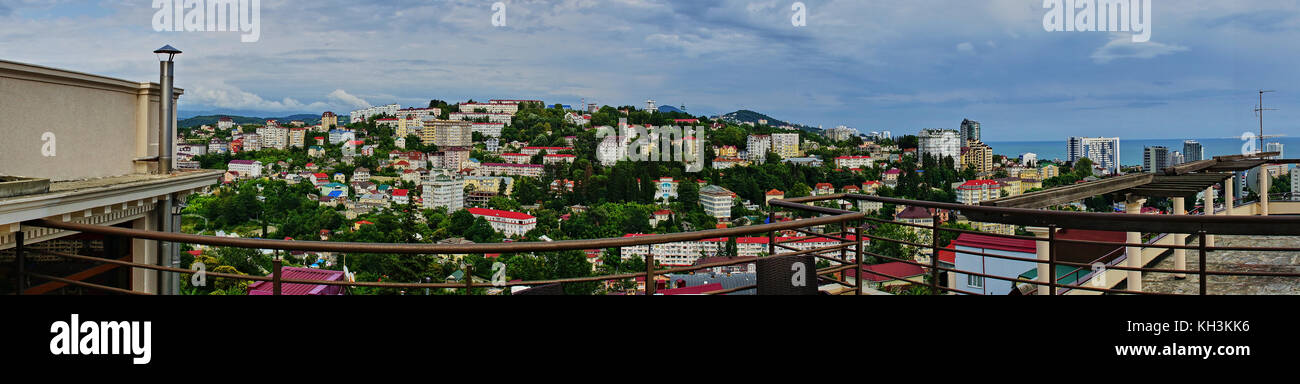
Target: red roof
500 213
895 269
775 193
267 288
363 222
561 156
515 154
321 175
400 192
662 212
989 242
980 183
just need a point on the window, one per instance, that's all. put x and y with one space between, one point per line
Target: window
975 281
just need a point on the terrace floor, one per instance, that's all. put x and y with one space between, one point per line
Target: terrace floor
1234 261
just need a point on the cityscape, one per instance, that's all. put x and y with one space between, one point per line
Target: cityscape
368 151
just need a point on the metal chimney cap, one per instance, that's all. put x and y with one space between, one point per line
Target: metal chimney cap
168 49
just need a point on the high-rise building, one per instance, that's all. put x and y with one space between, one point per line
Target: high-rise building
444 191
1103 151
1295 184
786 145
1275 147
939 143
448 133
970 130
1193 151
757 147
328 121
1029 159
1155 159
978 156
840 133
717 201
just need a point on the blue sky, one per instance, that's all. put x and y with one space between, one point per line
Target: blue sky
873 65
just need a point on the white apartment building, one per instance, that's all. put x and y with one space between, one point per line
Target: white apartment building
786 145
1295 184
445 191
939 143
246 168
757 147
687 253
611 150
840 133
1103 151
489 108
489 129
274 136
225 123
529 170
418 113
851 162
501 118
507 222
297 137
339 136
362 115
717 201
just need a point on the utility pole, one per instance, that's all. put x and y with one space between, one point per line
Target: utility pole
1259 110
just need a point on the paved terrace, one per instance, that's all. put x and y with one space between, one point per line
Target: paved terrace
1234 261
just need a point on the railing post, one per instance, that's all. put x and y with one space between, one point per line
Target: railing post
469 279
1051 261
650 270
934 255
20 260
1202 250
275 275
857 234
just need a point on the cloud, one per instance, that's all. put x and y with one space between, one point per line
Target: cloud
1125 48
966 47
225 96
344 97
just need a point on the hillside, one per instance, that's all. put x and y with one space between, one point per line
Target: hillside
748 116
212 120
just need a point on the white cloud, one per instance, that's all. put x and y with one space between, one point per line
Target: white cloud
966 47
221 95
1125 48
350 100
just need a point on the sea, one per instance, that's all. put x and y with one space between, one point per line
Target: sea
1131 150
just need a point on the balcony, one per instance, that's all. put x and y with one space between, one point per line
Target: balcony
1209 269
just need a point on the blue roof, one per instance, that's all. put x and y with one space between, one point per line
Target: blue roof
335 194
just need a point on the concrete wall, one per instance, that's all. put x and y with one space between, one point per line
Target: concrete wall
100 125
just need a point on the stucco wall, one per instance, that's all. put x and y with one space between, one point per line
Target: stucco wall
100 124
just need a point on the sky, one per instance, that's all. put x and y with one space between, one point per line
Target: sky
900 66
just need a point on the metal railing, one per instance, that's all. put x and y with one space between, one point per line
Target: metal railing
851 223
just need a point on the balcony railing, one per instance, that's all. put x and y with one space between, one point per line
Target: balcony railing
851 224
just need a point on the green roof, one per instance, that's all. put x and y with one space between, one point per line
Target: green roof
1065 274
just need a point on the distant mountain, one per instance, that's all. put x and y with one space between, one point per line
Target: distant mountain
669 108
195 121
748 116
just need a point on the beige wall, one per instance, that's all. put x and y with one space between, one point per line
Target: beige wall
100 124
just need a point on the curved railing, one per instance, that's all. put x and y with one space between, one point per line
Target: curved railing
852 223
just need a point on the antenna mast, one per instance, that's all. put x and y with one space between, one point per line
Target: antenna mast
1259 111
